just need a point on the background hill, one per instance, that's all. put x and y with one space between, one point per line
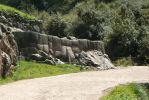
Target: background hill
121 24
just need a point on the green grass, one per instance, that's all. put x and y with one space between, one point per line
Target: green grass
129 92
124 62
15 11
29 70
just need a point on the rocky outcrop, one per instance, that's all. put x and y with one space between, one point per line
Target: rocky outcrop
14 20
70 50
8 51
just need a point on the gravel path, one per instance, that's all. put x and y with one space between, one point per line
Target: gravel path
77 86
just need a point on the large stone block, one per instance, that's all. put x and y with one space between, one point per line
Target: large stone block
33 37
46 48
70 55
50 41
66 42
83 44
57 44
43 39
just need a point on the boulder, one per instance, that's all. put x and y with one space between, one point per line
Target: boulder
94 58
36 57
58 61
8 51
43 57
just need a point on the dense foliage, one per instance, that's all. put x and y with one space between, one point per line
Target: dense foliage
121 24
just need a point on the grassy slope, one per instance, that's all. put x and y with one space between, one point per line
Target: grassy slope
28 70
15 11
128 92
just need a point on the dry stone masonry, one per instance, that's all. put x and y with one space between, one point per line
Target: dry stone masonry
46 48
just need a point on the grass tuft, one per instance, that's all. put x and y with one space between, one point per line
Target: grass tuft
124 62
128 92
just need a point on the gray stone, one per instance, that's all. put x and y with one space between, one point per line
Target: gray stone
36 57
36 28
70 54
50 62
72 38
94 58
58 61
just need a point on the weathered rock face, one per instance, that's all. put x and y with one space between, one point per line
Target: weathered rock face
14 20
94 58
8 51
72 50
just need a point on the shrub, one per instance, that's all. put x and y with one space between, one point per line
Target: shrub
56 26
89 25
123 41
124 62
143 50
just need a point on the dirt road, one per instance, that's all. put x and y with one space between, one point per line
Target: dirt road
77 86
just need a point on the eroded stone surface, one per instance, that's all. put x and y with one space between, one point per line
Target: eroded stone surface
8 51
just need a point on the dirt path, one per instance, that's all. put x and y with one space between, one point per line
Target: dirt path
78 86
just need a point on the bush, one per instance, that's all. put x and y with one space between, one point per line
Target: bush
56 26
129 61
129 35
143 50
89 25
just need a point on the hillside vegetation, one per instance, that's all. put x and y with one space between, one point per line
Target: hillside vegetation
121 24
12 10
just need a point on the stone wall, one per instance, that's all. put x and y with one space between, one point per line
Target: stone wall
82 51
8 51
14 20
58 47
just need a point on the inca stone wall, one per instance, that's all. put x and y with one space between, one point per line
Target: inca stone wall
67 50
58 47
